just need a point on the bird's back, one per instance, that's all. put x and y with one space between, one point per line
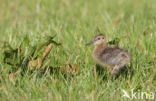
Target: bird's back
113 55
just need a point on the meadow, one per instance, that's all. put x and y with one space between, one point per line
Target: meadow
28 23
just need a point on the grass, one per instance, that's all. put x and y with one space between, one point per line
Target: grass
75 23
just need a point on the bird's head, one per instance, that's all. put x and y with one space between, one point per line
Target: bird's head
98 39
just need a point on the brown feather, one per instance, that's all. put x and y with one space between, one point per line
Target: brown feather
109 56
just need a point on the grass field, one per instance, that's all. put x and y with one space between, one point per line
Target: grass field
75 22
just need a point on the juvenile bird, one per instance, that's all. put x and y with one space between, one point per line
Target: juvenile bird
107 56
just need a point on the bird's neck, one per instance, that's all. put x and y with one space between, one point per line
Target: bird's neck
99 48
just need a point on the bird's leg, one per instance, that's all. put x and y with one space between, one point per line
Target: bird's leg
109 70
115 71
95 73
127 68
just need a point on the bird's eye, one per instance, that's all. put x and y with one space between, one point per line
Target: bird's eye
98 38
102 38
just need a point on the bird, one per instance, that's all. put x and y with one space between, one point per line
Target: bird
112 57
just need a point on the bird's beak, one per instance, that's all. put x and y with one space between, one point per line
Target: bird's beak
90 43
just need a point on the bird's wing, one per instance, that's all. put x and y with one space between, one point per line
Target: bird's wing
114 61
111 55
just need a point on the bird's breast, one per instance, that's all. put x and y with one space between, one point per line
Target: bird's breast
96 55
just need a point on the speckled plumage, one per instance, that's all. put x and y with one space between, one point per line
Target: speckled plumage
108 56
